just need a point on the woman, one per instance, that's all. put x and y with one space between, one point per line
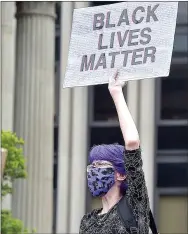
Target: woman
115 174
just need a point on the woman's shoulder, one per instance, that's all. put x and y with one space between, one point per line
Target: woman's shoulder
91 214
87 220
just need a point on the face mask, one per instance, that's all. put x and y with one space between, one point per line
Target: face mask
100 180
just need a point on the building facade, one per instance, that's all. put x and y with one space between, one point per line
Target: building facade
55 195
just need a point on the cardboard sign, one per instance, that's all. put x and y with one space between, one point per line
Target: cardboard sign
134 37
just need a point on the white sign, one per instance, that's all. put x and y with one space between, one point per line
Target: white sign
134 37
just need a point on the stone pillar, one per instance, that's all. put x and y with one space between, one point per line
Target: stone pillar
79 157
65 115
8 32
147 133
79 152
34 112
73 143
8 26
133 99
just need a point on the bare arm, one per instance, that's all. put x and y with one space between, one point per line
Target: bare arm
127 125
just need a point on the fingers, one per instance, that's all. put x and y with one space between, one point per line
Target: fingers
122 83
116 75
113 79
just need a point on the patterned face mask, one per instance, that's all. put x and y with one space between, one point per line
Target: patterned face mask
100 180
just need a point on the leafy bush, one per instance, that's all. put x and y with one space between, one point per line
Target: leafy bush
15 163
10 225
14 169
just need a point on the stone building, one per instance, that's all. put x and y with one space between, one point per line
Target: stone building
60 125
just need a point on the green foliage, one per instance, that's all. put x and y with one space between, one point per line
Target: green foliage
10 225
14 169
15 163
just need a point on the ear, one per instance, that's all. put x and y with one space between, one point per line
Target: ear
120 177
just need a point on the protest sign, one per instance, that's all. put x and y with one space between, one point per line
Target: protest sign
134 37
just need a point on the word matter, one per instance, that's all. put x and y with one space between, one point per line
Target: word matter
138 56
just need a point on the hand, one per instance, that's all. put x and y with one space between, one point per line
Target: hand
115 85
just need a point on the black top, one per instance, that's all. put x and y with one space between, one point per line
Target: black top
138 203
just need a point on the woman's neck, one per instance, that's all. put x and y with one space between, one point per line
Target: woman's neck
110 199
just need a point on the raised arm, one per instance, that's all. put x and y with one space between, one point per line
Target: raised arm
127 125
136 194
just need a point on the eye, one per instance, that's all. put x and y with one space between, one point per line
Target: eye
93 173
105 172
105 178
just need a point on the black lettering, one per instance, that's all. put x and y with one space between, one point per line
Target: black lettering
120 40
108 25
136 55
136 20
145 34
112 40
151 13
126 53
86 66
100 46
149 53
98 19
113 54
101 61
132 36
123 18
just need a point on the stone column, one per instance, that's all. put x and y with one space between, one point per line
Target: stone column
8 32
79 158
79 152
8 26
133 99
34 112
65 115
147 133
73 143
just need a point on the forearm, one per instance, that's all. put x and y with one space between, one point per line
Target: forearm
127 125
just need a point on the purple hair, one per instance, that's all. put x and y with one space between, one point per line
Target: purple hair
114 154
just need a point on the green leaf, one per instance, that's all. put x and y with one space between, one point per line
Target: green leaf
15 167
11 225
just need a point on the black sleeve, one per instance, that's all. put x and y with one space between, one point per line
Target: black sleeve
137 195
